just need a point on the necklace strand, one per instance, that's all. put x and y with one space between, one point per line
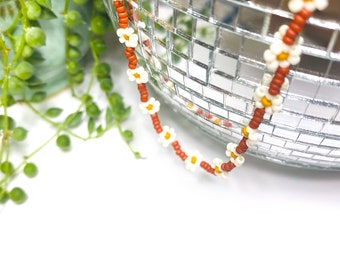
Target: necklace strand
284 51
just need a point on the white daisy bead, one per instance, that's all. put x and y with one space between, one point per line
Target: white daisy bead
216 164
277 104
235 158
252 140
267 78
193 161
238 161
150 107
297 5
264 100
127 36
167 136
251 134
281 54
138 74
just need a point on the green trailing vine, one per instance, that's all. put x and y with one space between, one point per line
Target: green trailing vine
20 85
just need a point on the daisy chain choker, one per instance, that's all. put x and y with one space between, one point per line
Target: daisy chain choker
284 51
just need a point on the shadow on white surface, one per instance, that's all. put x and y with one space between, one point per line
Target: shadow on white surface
97 207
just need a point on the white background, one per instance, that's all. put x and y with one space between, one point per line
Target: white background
96 207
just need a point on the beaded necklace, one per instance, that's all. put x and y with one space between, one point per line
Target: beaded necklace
284 51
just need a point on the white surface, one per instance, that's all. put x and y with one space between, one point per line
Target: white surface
97 207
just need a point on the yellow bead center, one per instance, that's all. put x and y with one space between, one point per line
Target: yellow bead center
136 75
266 102
217 169
167 135
282 56
217 121
233 155
149 107
193 160
245 132
126 37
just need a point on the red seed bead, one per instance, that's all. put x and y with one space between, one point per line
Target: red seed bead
227 166
275 87
134 62
175 145
295 27
122 25
141 86
288 41
273 91
144 98
183 156
129 49
156 125
132 57
203 164
199 111
242 146
122 15
120 9
305 13
254 124
132 66
289 37
257 118
178 150
279 76
143 92
283 71
206 166
124 20
156 122
277 81
118 3
259 111
158 129
291 33
154 117
298 19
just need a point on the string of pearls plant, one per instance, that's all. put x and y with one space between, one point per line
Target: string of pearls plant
20 85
